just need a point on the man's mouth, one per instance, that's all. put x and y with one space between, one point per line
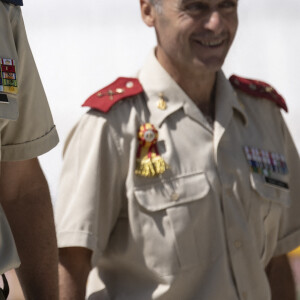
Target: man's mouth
210 43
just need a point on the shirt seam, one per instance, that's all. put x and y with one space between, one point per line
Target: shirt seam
27 142
16 17
115 139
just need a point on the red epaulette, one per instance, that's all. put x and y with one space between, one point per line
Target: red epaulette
120 89
258 89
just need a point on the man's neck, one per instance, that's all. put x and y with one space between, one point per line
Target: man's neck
199 85
201 90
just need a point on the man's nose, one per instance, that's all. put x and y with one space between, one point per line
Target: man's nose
214 22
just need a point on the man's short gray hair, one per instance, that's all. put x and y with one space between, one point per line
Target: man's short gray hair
157 4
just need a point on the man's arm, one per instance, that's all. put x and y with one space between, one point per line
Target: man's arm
74 268
26 201
281 279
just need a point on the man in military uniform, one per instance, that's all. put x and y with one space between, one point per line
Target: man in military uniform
180 184
27 130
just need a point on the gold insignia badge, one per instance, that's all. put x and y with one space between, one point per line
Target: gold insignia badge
149 163
161 104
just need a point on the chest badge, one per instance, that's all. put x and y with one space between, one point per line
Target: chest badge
149 163
265 162
272 166
8 77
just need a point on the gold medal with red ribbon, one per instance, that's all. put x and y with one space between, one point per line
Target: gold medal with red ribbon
149 163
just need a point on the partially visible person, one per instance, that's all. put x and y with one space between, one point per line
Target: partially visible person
27 231
294 258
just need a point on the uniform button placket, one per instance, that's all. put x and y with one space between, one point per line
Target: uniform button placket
174 196
238 244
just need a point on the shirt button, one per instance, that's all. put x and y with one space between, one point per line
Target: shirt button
174 196
238 244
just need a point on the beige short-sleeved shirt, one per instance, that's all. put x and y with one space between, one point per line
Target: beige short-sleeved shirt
26 125
204 229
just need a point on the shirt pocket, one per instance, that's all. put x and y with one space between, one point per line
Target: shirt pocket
272 200
166 229
8 107
270 192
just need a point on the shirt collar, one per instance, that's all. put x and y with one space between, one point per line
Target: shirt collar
227 100
156 82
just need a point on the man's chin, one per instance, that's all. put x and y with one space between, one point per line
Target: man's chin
210 65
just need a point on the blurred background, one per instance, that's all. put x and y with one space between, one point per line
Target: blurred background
81 46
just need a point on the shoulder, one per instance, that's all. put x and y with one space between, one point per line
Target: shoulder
258 89
113 113
121 89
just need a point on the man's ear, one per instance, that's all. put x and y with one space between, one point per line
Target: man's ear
148 12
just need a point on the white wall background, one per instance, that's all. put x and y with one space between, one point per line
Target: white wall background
81 46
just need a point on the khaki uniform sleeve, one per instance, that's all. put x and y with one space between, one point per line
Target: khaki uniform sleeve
27 130
91 186
289 234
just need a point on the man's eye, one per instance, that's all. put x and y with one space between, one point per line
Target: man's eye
196 6
228 4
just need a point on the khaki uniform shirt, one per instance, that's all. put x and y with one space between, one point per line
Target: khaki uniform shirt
26 125
204 229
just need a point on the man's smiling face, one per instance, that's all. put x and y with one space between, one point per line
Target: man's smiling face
195 34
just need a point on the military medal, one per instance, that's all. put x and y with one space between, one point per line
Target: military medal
267 164
8 77
149 163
